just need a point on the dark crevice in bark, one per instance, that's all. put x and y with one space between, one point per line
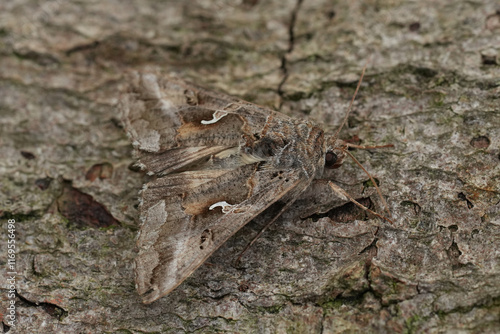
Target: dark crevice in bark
6 328
82 47
463 197
52 309
291 42
346 212
372 246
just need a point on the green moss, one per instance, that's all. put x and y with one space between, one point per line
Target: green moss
274 309
441 315
424 72
394 286
411 324
441 81
20 217
339 301
297 96
334 304
297 327
109 228
122 331
438 99
369 183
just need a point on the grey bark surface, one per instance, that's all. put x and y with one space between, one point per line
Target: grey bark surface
432 89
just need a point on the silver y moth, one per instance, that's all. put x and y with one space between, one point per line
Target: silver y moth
218 162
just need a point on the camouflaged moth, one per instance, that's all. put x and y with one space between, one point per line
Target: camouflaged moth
219 162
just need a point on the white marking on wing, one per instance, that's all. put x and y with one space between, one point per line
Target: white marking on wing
226 207
216 117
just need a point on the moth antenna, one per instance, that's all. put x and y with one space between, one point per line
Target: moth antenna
373 181
344 193
352 101
363 147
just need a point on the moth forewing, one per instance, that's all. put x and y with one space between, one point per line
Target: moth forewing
219 162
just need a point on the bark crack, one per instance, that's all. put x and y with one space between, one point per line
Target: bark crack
52 309
291 44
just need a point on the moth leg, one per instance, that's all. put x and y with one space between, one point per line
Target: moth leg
373 181
344 195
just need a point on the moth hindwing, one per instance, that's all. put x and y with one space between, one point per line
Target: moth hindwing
219 162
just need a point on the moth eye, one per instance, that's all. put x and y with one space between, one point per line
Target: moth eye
330 159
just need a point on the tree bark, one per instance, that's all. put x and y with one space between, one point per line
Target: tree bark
431 89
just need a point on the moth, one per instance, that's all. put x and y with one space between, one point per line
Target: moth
218 162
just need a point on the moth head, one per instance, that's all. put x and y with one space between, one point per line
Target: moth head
334 153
